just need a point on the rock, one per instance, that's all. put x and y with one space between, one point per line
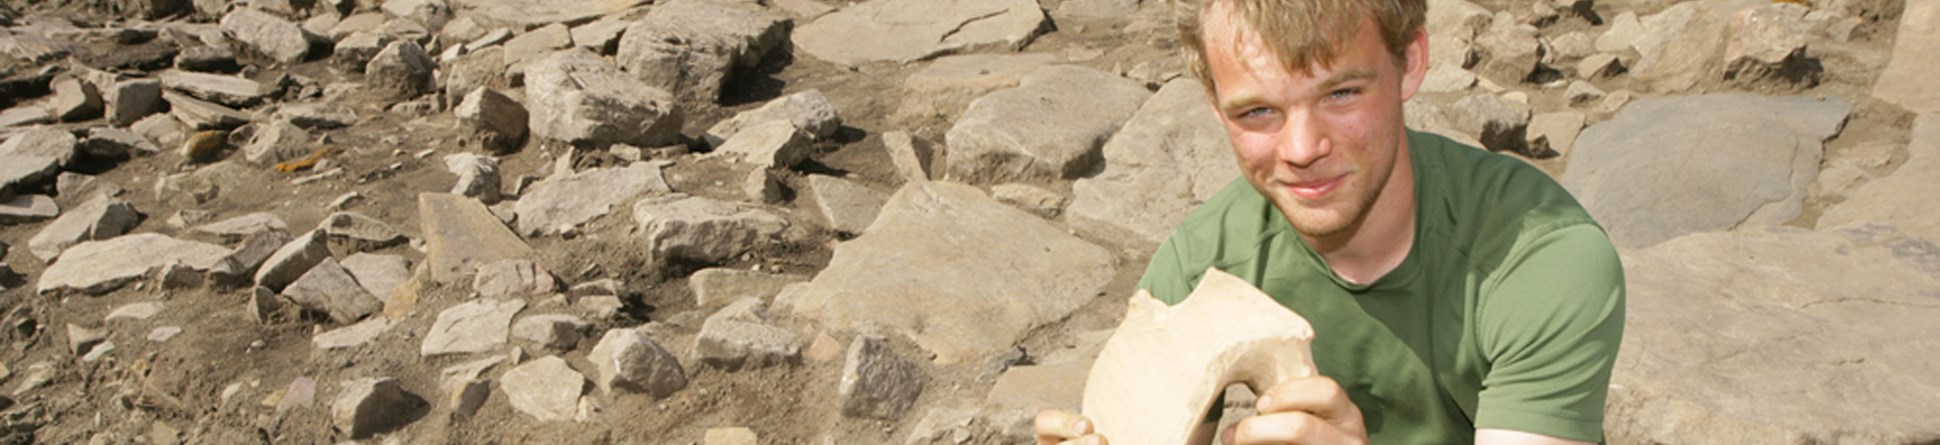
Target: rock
466 396
1512 50
1826 312
762 186
847 206
626 359
946 86
546 389
557 331
207 59
1167 159
372 405
164 334
163 129
1029 198
471 327
227 90
75 189
351 232
576 97
478 176
1907 78
1898 198
28 208
876 383
276 143
696 230
718 286
112 143
1570 46
527 14
202 115
976 274
1553 134
461 234
689 47
485 68
317 115
1096 9
560 203
244 226
1447 78
241 264
1050 127
329 289
401 71
911 30
1651 173
735 343
1624 32
601 36
913 156
1599 66
1499 124
292 260
773 144
537 42
513 278
43 141
264 305
25 117
1581 93
96 267
266 35
357 50
18 172
98 219
351 336
1057 385
809 111
75 100
1768 42
178 276
1684 44
379 275
81 340
493 121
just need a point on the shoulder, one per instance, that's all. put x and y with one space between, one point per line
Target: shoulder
1224 231
1492 205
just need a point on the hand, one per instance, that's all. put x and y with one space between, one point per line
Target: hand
1304 411
1063 428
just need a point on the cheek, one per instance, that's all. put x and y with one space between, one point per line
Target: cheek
1254 150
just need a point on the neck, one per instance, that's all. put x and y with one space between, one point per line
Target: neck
1381 239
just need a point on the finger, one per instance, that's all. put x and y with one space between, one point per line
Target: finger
1091 439
1290 428
1054 426
1226 435
1321 396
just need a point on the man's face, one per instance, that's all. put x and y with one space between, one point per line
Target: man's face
1321 145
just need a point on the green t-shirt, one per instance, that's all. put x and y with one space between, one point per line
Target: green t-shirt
1507 312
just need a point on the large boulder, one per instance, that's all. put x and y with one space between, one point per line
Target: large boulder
1050 127
576 97
96 267
1908 77
1901 198
974 275
401 71
688 47
1168 158
809 111
910 30
1779 335
1685 43
1652 172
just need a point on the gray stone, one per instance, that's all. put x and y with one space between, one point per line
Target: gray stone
355 23
461 234
358 49
809 111
628 360
561 203
913 156
1685 43
718 286
96 267
431 14
135 311
1652 172
372 405
1554 134
941 90
277 142
478 176
358 334
202 115
1167 159
43 141
527 14
762 186
114 143
264 305
401 71
378 274
601 36
772 144
207 59
576 97
240 227
546 389
973 274
75 100
1096 9
28 208
557 331
494 122
485 68
689 47
1499 124
876 383
1769 335
329 289
1907 79
690 229
227 90
25 117
1511 50
1599 66
266 35
536 43
513 278
1570 46
317 115
1900 198
98 219
735 343
1050 127
1766 42
1580 93
1029 198
293 259
81 339
847 206
471 327
18 172
161 128
241 264
351 232
911 30
1447 78
1624 31
73 189
488 39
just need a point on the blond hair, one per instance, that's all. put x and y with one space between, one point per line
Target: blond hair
1302 33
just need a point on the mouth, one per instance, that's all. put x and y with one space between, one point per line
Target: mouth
1313 189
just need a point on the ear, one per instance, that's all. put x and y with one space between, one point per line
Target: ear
1416 65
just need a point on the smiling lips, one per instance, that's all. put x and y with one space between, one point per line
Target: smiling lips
1313 189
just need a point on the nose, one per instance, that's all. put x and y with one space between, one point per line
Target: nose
1304 140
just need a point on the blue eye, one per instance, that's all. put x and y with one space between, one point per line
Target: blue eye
1344 93
1254 112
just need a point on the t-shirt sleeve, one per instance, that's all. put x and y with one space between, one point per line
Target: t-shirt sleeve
1168 276
1550 327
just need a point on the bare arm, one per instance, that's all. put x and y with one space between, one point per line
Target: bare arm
1507 437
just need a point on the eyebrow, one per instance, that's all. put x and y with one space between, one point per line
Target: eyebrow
1250 99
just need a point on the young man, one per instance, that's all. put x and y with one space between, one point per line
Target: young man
1457 295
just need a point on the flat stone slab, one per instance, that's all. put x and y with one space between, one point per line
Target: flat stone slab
471 327
1908 77
701 230
1167 159
462 234
1652 172
352 336
1903 198
1051 126
17 171
972 274
28 208
562 202
546 389
535 13
1777 335
910 30
227 90
96 267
